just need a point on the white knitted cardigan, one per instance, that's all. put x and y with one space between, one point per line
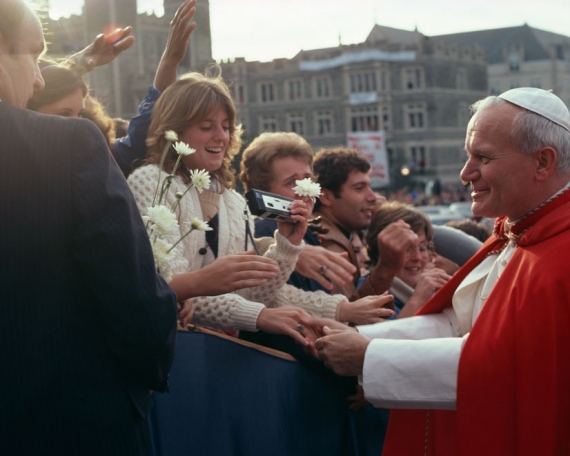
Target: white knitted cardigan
238 310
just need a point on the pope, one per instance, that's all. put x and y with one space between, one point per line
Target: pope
484 367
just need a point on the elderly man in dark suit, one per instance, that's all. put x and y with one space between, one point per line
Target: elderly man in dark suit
87 327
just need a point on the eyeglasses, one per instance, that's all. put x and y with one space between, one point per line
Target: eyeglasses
425 249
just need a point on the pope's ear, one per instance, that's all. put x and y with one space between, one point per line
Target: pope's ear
546 160
326 198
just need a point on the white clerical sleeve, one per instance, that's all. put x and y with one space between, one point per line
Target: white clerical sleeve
412 374
412 363
444 324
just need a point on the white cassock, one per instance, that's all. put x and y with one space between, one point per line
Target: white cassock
412 363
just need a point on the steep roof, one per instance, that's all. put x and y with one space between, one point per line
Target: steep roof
536 42
393 35
379 33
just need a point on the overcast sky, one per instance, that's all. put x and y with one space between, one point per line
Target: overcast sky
268 29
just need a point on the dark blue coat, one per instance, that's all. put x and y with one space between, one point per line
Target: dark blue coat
87 327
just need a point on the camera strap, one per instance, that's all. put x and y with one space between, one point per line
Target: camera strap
248 235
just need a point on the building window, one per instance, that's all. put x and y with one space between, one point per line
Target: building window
268 123
364 119
294 90
384 81
514 61
495 89
267 92
461 79
324 123
415 116
322 87
296 123
413 78
418 158
515 84
386 124
536 82
463 115
241 97
363 82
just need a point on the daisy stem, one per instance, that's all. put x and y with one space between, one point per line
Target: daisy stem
177 202
162 158
178 241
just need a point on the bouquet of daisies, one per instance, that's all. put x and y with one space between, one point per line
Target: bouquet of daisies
161 221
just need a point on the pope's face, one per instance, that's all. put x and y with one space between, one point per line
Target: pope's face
499 174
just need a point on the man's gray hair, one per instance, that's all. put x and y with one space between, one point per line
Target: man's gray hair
531 132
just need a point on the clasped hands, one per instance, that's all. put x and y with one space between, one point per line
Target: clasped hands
339 346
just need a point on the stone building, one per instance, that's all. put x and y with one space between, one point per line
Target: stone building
415 88
122 84
522 57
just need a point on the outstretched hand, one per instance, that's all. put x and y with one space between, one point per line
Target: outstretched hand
104 49
326 267
225 275
240 270
367 310
290 320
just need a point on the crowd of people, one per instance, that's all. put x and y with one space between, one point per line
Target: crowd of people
463 334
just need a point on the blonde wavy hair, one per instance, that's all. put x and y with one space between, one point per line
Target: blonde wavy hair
188 101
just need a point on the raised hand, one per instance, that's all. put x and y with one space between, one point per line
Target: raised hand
295 231
393 241
180 30
104 49
430 281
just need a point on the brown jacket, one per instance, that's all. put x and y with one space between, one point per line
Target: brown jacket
332 238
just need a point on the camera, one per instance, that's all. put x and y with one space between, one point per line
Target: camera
269 205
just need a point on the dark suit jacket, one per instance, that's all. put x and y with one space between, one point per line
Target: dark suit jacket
87 327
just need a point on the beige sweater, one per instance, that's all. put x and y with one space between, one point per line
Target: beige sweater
238 310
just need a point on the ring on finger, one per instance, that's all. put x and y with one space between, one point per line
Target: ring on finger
300 328
323 270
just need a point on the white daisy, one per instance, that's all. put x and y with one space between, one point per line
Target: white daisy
183 149
198 224
162 219
306 187
163 257
200 179
170 135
